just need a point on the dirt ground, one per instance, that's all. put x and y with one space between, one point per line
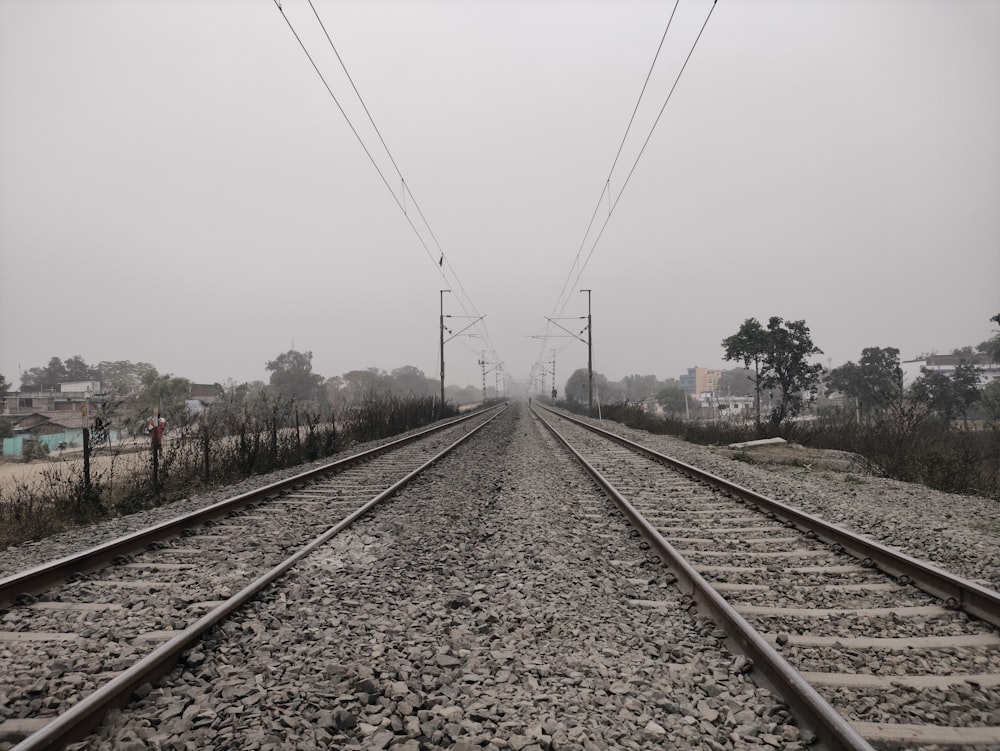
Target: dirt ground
792 454
14 474
69 463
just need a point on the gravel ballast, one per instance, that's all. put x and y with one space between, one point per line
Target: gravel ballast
958 533
493 604
488 606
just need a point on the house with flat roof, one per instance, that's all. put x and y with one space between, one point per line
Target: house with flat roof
945 365
699 380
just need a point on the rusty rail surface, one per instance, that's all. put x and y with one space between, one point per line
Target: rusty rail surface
39 578
808 705
84 716
956 592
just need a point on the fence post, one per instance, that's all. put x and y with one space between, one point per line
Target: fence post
298 436
84 412
206 447
155 434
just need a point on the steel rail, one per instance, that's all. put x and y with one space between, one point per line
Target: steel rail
956 592
38 578
811 708
85 715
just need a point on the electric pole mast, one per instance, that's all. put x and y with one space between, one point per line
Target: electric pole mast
442 345
554 392
482 366
590 359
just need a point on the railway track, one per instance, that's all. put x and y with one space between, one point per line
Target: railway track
870 647
80 634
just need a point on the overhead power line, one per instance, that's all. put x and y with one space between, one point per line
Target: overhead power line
440 260
405 189
572 279
607 183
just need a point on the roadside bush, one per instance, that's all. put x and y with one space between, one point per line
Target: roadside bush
32 450
225 446
380 417
908 443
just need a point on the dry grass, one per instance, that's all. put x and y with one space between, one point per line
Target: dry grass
41 498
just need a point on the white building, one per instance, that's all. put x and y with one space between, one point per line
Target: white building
80 387
946 364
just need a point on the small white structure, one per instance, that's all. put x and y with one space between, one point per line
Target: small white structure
80 387
945 365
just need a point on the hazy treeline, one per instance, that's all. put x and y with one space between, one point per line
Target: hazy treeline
638 388
149 440
777 372
133 393
942 429
238 437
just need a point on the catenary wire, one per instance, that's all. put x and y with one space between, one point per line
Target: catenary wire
649 136
405 189
462 296
606 189
563 299
561 303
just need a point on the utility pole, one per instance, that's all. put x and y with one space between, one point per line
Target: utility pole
442 345
554 392
590 356
84 413
156 441
590 359
482 367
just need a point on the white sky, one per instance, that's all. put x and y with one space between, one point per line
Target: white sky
177 187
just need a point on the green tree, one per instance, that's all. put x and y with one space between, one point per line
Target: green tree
639 387
360 385
778 355
165 396
788 345
966 385
123 378
673 399
736 382
6 429
749 345
292 378
56 372
411 381
934 390
576 387
462 395
77 370
44 378
991 401
876 380
993 348
333 390
965 353
948 395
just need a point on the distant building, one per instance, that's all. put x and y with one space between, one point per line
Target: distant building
82 387
734 407
945 365
58 430
205 392
69 398
700 380
56 418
